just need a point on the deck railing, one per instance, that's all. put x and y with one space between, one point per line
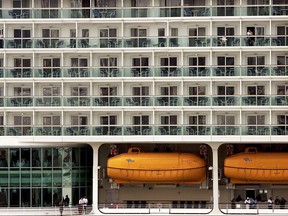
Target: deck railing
143 12
145 130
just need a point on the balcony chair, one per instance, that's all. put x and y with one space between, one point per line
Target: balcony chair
11 44
111 14
117 131
131 102
55 101
15 102
40 44
96 13
71 131
83 72
145 72
187 12
163 131
84 102
205 12
84 131
146 43
192 72
98 131
190 131
41 131
114 102
27 101
98 102
29 44
56 72
130 131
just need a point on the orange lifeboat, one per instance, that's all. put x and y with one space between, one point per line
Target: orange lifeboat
138 167
253 167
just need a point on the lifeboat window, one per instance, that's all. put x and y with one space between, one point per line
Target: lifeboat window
136 150
251 150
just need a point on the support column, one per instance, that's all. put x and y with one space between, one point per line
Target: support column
216 192
95 209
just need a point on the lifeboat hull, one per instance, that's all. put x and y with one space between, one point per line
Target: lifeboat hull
167 168
257 168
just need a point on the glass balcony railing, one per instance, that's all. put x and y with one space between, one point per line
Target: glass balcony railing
164 100
145 130
145 71
144 42
144 12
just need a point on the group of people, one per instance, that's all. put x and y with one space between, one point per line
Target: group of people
278 202
251 203
64 202
82 205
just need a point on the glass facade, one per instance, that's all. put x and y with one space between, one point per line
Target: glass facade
35 177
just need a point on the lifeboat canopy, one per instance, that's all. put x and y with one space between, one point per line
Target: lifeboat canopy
139 167
254 167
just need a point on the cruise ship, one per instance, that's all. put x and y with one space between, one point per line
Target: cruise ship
144 106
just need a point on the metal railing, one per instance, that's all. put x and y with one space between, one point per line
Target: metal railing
144 130
143 12
145 71
157 208
147 41
254 208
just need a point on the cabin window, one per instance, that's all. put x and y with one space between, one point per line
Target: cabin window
168 66
255 64
108 37
141 120
51 120
282 90
225 120
196 37
225 125
22 91
105 3
108 91
108 66
197 90
51 91
79 62
225 90
168 96
139 91
108 124
79 91
22 36
225 66
256 124
194 2
79 120
282 61
256 90
140 66
51 67
225 35
196 64
138 37
282 121
227 9
168 125
23 124
50 37
197 124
